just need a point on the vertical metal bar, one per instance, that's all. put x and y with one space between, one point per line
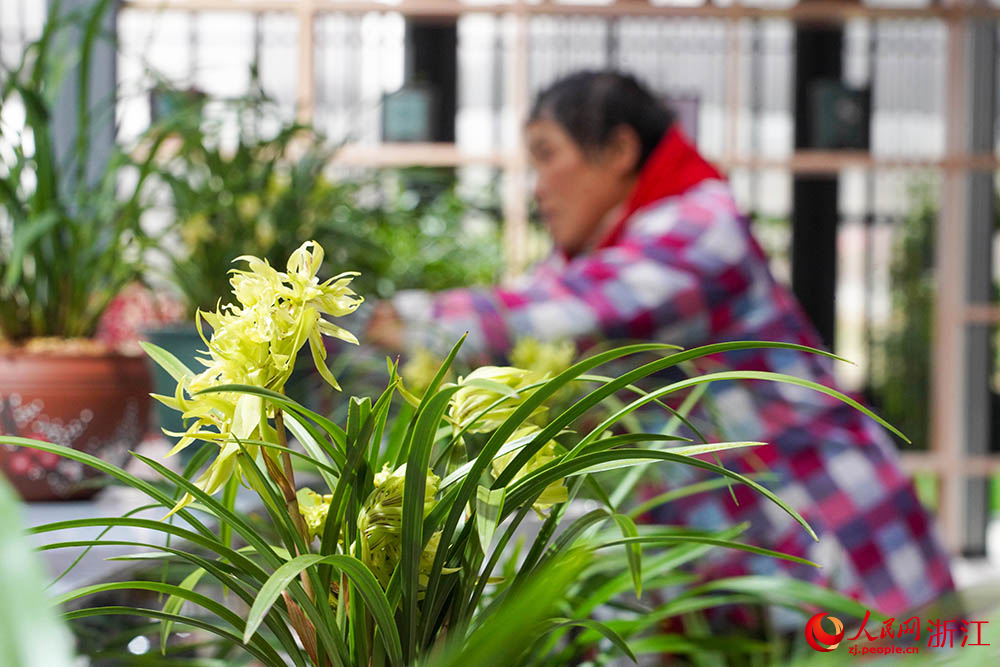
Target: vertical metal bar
321 95
870 215
258 38
611 43
258 48
193 46
869 221
497 89
981 63
818 58
947 390
22 24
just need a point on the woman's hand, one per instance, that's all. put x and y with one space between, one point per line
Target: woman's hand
385 328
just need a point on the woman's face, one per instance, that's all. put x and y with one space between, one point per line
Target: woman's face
577 192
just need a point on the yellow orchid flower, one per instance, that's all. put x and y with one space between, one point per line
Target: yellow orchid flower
255 341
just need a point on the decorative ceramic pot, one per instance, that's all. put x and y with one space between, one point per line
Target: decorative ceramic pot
95 403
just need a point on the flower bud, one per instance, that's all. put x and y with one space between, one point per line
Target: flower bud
313 507
381 517
469 401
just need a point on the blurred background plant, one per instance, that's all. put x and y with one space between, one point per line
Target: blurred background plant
435 241
901 355
70 232
259 193
902 370
271 186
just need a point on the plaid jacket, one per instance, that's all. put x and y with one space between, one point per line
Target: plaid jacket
687 271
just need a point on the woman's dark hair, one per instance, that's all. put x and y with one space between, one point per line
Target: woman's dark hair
590 104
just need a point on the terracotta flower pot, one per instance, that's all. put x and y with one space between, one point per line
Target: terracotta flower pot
95 403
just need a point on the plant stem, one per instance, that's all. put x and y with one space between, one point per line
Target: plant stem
286 459
287 481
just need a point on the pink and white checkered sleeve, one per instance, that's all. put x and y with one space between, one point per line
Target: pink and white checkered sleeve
673 278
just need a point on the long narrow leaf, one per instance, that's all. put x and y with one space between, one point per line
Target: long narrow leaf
412 538
174 604
363 579
508 632
489 505
266 657
538 480
600 628
625 380
233 579
283 401
108 469
788 590
167 361
84 552
737 375
218 509
699 539
212 544
502 434
690 490
632 549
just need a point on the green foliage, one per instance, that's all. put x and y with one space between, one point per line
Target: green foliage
70 235
903 369
432 242
31 635
273 190
255 198
401 555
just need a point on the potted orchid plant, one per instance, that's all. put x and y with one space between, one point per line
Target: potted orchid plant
71 239
410 548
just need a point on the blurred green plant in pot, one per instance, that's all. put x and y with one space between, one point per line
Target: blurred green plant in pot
269 187
401 556
262 195
70 232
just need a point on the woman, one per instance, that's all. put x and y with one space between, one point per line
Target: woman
650 245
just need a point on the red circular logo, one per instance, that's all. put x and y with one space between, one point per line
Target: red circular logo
819 638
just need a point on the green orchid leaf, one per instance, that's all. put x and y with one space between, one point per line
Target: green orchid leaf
633 549
489 505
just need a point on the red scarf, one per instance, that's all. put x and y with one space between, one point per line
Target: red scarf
674 167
